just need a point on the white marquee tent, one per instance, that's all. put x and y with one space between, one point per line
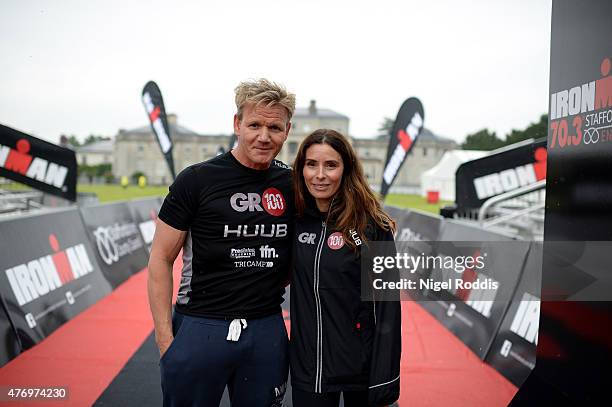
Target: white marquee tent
441 178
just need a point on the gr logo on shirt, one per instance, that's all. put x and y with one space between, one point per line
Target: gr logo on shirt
271 201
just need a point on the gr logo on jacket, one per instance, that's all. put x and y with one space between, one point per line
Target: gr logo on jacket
338 342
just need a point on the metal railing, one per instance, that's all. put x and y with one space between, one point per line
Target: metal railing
507 196
520 211
12 201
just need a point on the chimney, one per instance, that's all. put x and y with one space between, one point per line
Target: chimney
172 118
312 109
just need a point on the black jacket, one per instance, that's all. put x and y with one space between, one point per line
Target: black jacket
338 342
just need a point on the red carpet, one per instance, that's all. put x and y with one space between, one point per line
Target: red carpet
439 370
88 352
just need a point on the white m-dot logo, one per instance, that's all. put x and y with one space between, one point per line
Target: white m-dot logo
451 310
505 349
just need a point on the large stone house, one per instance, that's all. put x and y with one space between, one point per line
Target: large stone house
137 150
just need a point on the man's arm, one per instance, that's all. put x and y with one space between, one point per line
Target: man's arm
166 246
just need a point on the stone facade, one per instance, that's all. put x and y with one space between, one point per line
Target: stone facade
307 120
100 152
137 151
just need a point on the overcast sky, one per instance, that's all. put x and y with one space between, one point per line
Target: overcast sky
78 67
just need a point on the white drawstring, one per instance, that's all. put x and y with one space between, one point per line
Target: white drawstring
233 333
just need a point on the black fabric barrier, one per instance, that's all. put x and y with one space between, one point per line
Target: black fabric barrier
144 212
415 225
395 212
116 240
20 337
513 348
9 346
50 273
513 352
427 225
476 320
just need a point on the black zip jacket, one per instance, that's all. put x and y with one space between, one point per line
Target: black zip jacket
338 342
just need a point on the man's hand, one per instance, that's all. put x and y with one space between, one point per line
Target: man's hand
167 244
163 344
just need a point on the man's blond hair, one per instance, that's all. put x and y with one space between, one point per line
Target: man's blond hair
263 91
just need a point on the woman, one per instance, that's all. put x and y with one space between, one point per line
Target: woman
339 344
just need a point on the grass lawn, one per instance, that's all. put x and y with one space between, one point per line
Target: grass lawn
110 193
414 202
106 193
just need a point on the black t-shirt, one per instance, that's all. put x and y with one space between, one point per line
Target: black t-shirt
236 255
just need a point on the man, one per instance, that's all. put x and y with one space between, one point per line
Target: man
231 215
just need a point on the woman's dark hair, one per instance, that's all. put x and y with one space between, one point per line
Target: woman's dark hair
354 198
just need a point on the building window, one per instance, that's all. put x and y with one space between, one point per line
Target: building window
424 152
293 147
140 148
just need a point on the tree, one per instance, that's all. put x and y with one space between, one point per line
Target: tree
100 170
482 140
485 140
386 126
72 140
534 131
92 138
